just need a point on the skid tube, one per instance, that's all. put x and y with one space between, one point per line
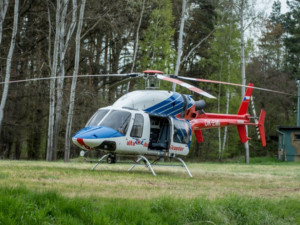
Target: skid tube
150 165
103 157
147 163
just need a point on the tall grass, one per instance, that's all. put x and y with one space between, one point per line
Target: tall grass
22 206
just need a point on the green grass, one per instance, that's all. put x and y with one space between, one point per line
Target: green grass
220 193
21 206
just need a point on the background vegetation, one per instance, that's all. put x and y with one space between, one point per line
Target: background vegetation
211 49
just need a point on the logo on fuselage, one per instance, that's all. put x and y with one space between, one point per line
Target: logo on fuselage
136 142
176 148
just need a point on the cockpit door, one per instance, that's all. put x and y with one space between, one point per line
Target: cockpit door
137 138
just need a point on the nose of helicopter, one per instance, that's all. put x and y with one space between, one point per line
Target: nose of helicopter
90 137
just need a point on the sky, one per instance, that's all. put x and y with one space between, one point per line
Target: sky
266 5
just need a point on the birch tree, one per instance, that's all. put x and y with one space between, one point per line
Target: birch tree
49 154
63 46
3 10
243 26
136 46
61 42
243 71
180 40
137 37
9 60
74 82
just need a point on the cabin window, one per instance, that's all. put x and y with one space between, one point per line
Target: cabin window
117 120
137 128
97 117
181 131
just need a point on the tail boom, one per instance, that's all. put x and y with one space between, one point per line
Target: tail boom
240 120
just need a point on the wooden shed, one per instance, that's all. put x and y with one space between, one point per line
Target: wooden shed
289 143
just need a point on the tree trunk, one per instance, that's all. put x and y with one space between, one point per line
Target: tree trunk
64 42
8 61
3 10
180 40
227 111
243 70
74 82
219 110
49 154
137 39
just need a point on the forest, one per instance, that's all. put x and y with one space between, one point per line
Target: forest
64 39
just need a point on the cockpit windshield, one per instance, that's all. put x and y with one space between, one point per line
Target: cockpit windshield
117 120
97 117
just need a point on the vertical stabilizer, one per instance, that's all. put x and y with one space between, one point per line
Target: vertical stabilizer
246 100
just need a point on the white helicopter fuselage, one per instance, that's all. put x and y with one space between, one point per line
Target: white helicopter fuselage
140 123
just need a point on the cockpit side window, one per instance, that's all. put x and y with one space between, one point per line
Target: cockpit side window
117 120
137 128
97 117
181 132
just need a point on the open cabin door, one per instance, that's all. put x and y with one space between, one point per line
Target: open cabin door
160 133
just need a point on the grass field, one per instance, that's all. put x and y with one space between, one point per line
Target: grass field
228 193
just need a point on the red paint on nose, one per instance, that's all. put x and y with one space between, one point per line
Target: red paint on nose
81 142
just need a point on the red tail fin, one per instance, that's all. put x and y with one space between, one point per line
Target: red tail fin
261 127
199 136
245 102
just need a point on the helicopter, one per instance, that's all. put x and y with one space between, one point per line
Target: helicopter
158 123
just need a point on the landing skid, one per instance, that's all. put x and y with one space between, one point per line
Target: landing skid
103 157
147 164
150 165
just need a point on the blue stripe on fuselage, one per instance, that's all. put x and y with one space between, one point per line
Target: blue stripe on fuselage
163 103
173 103
171 106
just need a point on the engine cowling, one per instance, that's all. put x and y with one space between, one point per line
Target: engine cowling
200 105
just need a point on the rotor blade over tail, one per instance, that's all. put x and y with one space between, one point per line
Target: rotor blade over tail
186 85
232 84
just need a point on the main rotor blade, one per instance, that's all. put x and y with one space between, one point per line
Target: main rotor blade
71 76
232 84
186 85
